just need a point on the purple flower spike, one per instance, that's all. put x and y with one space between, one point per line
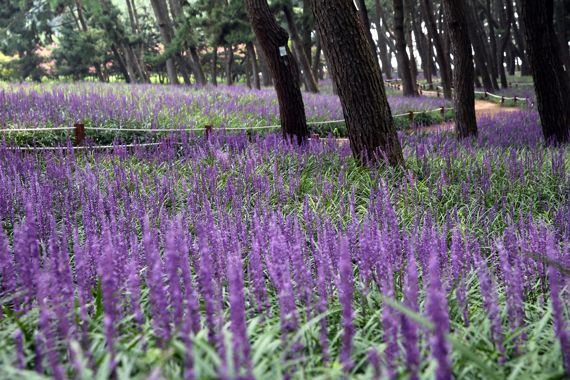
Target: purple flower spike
346 290
438 314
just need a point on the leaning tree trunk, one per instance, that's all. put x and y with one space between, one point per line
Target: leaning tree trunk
464 99
273 40
309 79
366 110
442 61
403 59
550 79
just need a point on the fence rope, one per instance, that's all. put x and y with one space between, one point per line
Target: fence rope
201 129
92 147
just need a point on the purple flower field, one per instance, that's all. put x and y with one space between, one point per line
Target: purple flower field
245 257
154 106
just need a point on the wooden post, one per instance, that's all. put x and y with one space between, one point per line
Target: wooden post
486 95
411 116
442 113
438 92
79 131
502 100
207 131
515 99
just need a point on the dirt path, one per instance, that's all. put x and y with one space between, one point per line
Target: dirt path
482 108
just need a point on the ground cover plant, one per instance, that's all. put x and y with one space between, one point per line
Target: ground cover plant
155 107
245 256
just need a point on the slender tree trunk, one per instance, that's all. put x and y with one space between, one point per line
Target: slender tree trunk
166 34
481 57
230 65
403 59
365 19
266 80
442 61
309 79
464 99
273 41
408 14
551 82
367 113
214 78
382 42
307 30
254 67
316 67
506 18
562 29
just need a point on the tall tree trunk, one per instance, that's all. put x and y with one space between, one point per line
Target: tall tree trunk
464 98
520 41
481 57
365 19
403 59
254 67
316 67
214 78
408 14
382 42
309 79
192 61
273 41
161 14
307 30
506 19
441 57
551 82
266 79
230 65
492 41
366 110
562 29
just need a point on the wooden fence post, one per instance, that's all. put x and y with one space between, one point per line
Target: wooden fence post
79 132
207 131
502 100
411 116
442 113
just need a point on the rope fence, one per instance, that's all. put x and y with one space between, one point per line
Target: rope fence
80 129
421 88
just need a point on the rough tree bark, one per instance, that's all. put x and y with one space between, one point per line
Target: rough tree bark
551 82
273 40
464 98
401 54
366 110
442 61
308 77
